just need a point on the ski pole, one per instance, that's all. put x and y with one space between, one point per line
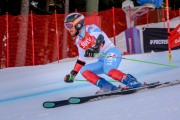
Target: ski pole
143 61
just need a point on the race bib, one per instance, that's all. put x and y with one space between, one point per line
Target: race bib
87 42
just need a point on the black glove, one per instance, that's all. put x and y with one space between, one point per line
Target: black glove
90 52
69 78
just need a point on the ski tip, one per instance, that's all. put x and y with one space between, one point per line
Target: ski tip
48 104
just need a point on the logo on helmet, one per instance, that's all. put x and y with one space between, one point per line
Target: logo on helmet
76 15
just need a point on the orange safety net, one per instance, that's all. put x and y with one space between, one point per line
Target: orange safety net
2 41
46 43
158 15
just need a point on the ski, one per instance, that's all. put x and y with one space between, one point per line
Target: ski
80 100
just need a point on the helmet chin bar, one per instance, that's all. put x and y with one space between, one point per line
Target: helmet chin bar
77 32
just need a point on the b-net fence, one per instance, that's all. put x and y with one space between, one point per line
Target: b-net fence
40 39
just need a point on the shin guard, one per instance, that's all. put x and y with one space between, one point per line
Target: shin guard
90 76
116 74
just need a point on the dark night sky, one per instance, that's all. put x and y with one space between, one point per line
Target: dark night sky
13 6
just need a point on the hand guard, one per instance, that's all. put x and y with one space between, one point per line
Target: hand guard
69 78
90 52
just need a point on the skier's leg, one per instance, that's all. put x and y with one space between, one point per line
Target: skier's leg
96 67
111 69
90 72
111 64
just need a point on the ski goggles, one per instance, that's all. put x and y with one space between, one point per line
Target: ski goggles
69 25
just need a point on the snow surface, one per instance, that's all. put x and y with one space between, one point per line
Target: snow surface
24 89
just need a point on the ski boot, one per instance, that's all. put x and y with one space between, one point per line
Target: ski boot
105 86
130 82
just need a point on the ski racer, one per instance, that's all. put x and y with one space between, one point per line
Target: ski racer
91 40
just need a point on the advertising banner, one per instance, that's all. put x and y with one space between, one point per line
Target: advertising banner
155 39
175 37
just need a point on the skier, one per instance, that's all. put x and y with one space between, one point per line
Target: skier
90 40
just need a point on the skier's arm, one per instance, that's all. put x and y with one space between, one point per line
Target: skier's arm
69 78
99 41
79 64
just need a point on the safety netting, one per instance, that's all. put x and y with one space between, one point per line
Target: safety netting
40 39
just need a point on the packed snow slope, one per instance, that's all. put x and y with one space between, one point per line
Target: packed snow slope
24 89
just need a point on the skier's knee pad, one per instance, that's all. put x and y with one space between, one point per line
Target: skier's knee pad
90 76
116 74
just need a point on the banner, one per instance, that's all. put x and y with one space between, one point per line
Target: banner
175 37
155 39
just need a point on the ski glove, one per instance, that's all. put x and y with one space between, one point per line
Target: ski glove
90 52
69 78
